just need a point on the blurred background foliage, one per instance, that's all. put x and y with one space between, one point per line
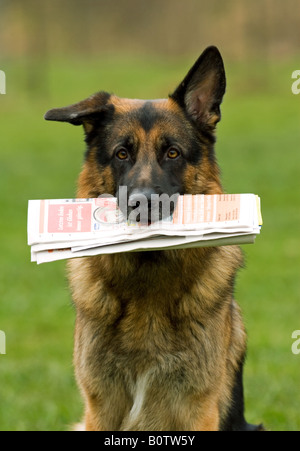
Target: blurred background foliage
265 28
38 34
55 53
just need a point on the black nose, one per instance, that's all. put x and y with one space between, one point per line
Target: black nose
137 196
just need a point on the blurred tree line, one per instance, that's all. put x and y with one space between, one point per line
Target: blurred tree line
243 28
36 34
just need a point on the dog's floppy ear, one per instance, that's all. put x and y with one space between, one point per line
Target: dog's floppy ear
201 93
82 113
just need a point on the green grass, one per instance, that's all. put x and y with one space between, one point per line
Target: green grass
258 151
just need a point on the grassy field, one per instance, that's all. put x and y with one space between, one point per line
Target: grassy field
258 150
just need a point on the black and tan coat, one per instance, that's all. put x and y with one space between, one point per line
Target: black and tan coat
159 340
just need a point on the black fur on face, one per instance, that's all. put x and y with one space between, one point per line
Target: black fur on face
148 149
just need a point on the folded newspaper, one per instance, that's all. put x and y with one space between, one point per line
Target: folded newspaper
64 229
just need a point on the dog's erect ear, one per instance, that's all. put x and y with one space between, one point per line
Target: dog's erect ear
201 93
82 113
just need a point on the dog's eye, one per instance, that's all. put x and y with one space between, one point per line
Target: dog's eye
122 154
173 153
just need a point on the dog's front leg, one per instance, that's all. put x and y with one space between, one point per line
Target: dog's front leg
106 412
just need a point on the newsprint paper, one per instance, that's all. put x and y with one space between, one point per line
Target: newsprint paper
70 228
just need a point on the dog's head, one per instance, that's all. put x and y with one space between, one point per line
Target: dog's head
153 147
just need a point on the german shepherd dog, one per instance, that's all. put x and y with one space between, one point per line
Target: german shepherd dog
159 342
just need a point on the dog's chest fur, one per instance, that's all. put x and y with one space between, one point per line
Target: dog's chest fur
166 314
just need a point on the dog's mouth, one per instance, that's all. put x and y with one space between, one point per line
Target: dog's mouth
140 210
145 207
145 216
151 213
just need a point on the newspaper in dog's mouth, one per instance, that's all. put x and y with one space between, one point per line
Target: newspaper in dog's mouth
63 229
105 215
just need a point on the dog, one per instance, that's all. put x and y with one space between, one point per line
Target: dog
160 343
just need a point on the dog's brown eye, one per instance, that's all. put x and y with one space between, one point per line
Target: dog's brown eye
122 154
173 153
